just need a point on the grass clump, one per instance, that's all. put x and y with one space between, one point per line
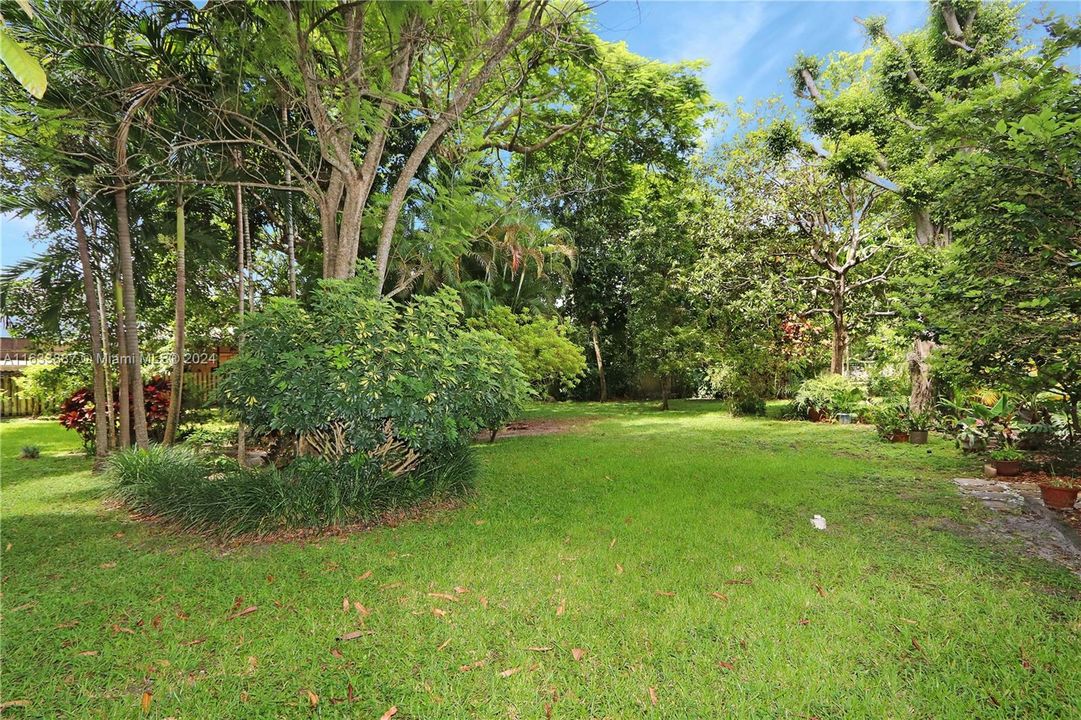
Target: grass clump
30 452
202 494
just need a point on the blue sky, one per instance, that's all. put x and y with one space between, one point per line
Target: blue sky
749 46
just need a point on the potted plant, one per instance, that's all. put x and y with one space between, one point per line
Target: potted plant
971 436
1007 461
890 424
846 403
918 425
1059 493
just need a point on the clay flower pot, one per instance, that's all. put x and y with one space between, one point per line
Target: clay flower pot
1008 468
899 437
1059 498
917 437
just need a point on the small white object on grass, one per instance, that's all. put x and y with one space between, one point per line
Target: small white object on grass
819 522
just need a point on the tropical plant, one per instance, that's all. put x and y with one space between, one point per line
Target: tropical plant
1007 454
830 394
551 362
79 410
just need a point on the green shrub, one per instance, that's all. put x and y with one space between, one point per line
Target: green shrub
830 394
51 385
890 418
355 372
30 452
217 496
748 405
551 362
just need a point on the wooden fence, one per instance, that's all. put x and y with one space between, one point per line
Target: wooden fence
11 404
198 391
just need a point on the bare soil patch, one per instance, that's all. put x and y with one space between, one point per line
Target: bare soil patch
548 426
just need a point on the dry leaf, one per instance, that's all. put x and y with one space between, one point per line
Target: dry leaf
67 625
804 621
742 581
269 579
472 665
461 590
619 569
13 703
351 635
666 593
916 644
726 665
181 615
439 612
350 693
820 591
720 596
541 648
443 646
117 629
336 653
365 575
312 697
189 643
238 602
156 622
361 609
107 566
345 604
509 671
389 713
578 654
483 601
562 608
244 697
253 662
89 653
612 544
479 522
443 596
147 698
246 611
653 695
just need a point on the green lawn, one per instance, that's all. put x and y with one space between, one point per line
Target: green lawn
610 538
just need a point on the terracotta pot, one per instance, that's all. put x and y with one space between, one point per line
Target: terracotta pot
899 437
1008 468
1059 498
814 414
917 437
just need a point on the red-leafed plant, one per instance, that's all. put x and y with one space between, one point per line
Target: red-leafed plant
78 411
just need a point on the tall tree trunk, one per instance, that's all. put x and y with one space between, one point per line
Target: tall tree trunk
249 259
241 450
919 372
101 400
110 406
666 391
131 329
290 227
124 368
840 333
600 362
177 385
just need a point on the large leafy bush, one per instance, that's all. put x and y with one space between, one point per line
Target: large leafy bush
829 394
355 375
552 363
77 412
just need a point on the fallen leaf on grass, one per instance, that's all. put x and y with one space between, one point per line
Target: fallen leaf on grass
313 699
483 601
725 665
198 641
562 608
244 696
181 615
361 609
612 544
14 703
916 644
666 593
739 581
253 662
653 695
336 653
719 596
820 591
156 622
269 579
365 575
509 671
619 569
443 646
67 625
117 630
439 612
472 665
147 698
350 693
443 596
804 621
993 699
539 648
479 522
461 590
107 566
246 611
353 635
389 713
578 654
25 606
89 653
345 604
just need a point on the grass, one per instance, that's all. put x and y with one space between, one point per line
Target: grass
609 538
